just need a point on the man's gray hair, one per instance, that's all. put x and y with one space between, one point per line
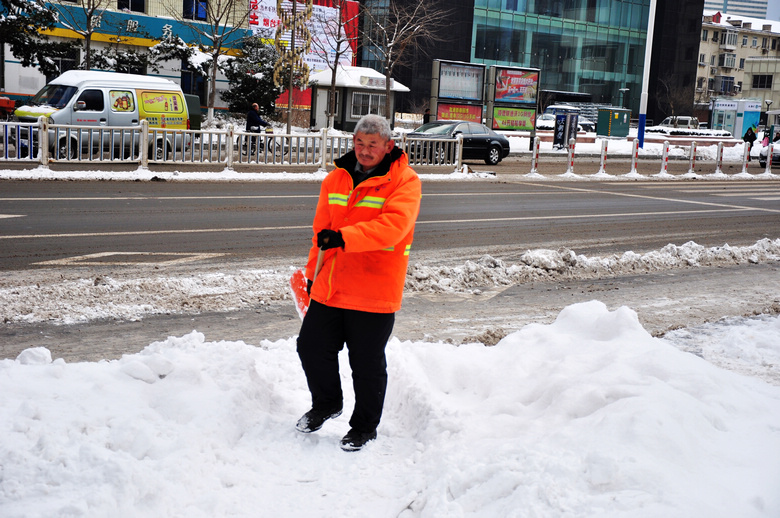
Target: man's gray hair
374 125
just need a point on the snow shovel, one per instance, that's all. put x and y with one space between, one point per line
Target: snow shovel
298 286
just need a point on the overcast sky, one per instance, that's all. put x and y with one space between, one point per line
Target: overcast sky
773 10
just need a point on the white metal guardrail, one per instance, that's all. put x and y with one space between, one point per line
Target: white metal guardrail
46 143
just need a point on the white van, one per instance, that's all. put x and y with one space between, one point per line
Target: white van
103 100
681 121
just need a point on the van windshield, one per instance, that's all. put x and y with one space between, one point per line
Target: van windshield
56 96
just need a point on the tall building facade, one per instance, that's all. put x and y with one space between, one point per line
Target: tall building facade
591 50
753 8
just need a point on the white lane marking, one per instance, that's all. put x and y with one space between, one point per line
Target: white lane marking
429 222
661 198
92 259
2 216
155 232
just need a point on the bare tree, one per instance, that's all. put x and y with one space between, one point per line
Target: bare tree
84 18
221 20
336 42
389 34
674 98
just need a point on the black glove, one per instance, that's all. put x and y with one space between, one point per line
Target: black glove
328 239
309 282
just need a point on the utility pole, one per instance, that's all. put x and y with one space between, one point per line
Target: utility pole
646 75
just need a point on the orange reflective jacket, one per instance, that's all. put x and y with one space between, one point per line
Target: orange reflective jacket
376 220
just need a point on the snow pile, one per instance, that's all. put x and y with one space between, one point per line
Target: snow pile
489 272
588 416
84 299
145 293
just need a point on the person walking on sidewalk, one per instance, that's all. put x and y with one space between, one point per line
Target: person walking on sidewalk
749 137
364 223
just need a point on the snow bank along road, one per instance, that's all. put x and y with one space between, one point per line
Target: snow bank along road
101 299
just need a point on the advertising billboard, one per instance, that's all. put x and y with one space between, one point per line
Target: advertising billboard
461 81
264 19
516 85
464 112
519 119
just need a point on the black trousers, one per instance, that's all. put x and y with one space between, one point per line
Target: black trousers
323 334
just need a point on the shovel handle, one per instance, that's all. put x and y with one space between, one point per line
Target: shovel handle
320 259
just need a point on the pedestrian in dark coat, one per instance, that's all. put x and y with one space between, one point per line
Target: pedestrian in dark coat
253 125
749 137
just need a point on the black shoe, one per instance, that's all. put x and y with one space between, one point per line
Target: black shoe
314 419
355 440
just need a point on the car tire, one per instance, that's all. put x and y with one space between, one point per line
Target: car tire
493 156
762 164
67 153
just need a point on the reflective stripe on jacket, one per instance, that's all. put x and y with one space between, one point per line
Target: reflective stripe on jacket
376 219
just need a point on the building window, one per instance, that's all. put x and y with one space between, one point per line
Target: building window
70 62
192 82
755 41
762 81
704 35
744 40
363 104
702 59
195 9
741 62
727 60
138 6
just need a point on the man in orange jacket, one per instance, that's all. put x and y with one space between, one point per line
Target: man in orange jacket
364 223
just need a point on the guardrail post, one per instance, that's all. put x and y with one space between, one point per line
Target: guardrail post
229 146
692 161
719 158
634 157
535 157
570 168
323 148
770 149
603 166
459 155
665 159
143 143
745 157
43 140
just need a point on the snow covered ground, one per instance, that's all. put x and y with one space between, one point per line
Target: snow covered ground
585 416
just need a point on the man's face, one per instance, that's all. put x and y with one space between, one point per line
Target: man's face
371 149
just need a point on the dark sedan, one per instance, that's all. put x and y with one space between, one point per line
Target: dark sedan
762 156
479 141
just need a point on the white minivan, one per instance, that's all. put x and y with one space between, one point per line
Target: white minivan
681 121
95 102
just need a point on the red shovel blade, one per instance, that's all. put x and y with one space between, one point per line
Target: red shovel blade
300 296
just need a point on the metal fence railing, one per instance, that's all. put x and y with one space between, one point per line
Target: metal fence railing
43 142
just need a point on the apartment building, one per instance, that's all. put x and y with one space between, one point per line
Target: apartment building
752 8
737 58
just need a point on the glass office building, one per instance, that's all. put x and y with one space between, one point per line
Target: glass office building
587 50
592 47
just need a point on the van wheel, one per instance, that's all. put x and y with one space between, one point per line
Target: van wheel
156 151
64 151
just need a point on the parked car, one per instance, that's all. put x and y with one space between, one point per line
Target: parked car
479 141
680 121
762 155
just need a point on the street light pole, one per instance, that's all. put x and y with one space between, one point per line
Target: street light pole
623 92
646 74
